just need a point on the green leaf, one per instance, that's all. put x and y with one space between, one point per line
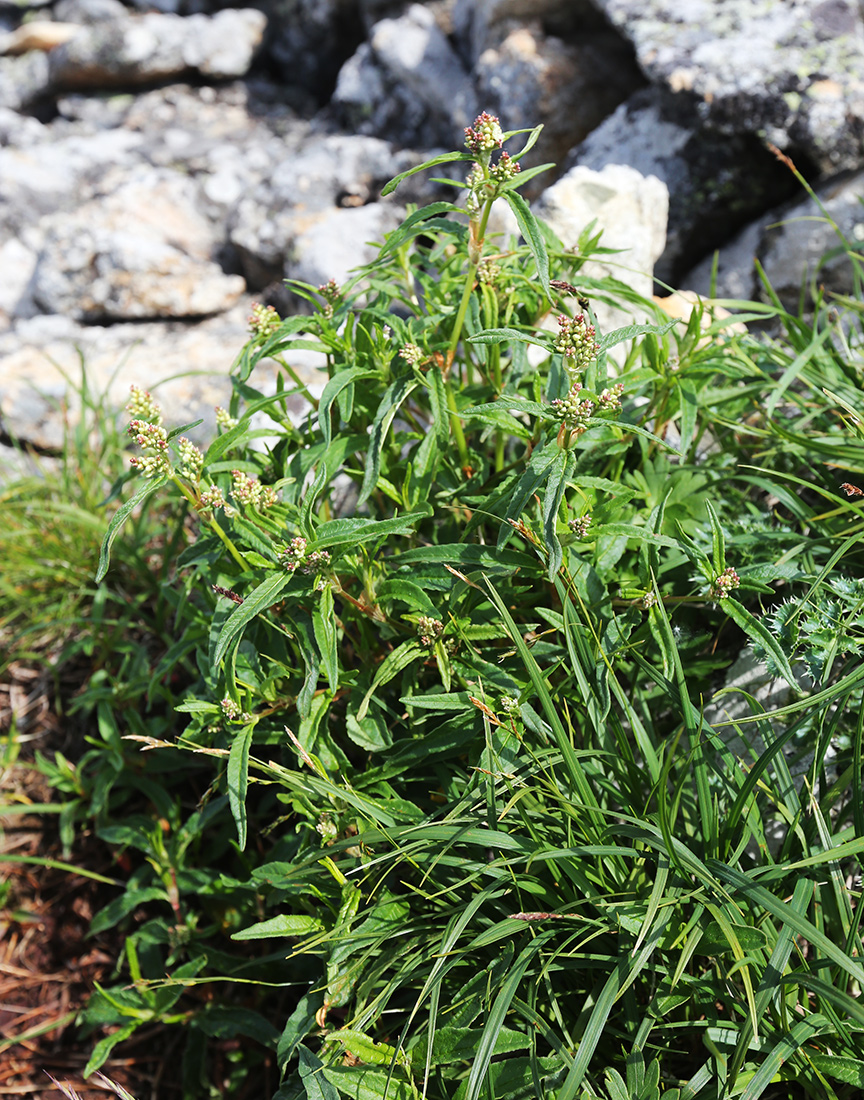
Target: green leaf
362 1083
286 924
532 235
356 529
714 942
265 595
629 332
444 158
312 1075
103 1048
324 623
848 1070
757 631
390 402
117 521
414 223
504 335
301 1021
556 483
334 387
391 666
459 1044
238 780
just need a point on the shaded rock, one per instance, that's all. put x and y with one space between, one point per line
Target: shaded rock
481 24
144 49
310 40
23 79
392 86
90 11
18 264
790 73
795 245
531 78
716 182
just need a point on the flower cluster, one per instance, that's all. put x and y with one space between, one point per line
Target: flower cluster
484 136
232 712
317 562
224 419
293 554
573 412
508 705
610 399
154 440
580 526
576 342
648 601
429 630
263 320
213 497
141 406
191 459
724 584
331 293
504 169
247 490
412 354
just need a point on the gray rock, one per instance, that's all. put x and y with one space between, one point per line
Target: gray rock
89 11
795 245
482 24
142 251
789 72
18 263
531 78
23 80
144 49
393 87
311 39
44 177
632 211
338 241
185 366
716 182
337 169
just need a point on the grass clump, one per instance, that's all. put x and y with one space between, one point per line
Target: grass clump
448 643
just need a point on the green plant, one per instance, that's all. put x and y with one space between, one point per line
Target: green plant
460 724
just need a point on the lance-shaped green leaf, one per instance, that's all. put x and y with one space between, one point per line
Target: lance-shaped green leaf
334 387
445 158
417 223
119 518
532 235
264 596
238 780
391 666
390 402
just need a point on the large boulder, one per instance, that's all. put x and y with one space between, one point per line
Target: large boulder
717 182
797 246
407 83
148 48
571 87
142 251
790 72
